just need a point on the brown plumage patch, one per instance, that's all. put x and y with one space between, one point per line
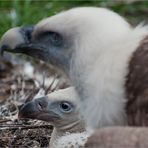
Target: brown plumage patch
137 86
118 137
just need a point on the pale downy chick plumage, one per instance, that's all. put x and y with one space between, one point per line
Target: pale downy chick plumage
60 109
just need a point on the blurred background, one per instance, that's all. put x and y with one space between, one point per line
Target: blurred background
21 12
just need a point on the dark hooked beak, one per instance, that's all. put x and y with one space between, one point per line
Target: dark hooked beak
19 40
37 109
15 37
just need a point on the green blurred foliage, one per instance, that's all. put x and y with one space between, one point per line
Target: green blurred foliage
22 12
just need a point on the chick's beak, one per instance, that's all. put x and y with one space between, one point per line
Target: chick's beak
37 109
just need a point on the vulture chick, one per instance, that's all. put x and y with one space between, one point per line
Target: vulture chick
61 110
105 58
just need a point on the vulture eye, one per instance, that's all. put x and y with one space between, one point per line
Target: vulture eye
66 107
54 38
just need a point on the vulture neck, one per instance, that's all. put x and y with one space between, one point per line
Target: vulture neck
58 132
99 78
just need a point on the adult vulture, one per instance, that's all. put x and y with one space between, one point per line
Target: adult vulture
105 58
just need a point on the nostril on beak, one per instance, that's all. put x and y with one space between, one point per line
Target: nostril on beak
41 103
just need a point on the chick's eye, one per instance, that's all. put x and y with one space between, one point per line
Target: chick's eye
65 106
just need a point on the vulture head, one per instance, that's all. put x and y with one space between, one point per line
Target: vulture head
93 47
63 40
60 109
